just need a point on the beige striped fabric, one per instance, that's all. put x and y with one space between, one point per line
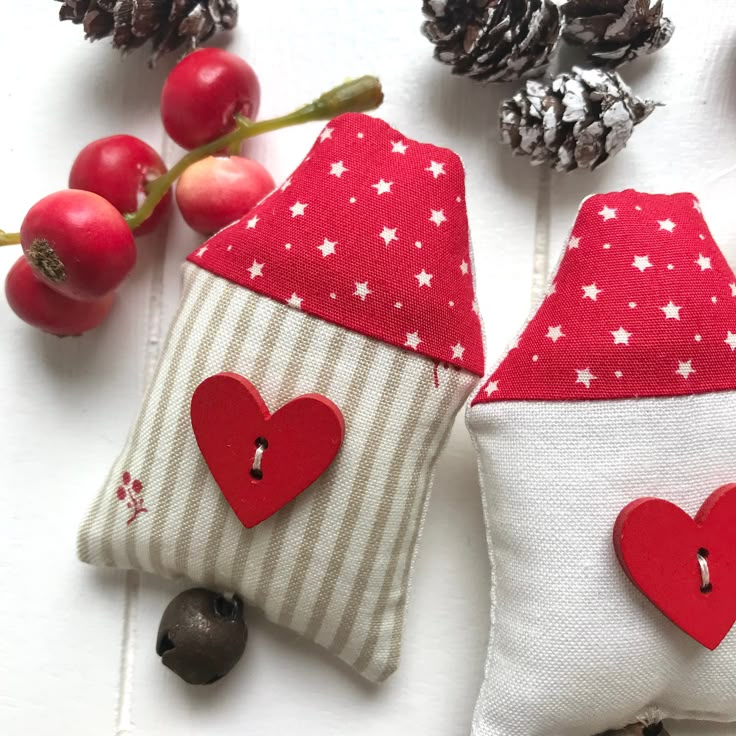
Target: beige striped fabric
334 564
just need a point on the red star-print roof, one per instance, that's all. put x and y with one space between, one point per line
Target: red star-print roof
370 232
643 304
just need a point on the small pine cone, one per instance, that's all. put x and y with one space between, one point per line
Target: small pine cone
639 729
616 31
493 40
168 24
579 120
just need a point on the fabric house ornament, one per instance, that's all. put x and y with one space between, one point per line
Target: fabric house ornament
352 281
620 387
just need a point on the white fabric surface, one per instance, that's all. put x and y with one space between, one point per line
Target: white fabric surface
574 648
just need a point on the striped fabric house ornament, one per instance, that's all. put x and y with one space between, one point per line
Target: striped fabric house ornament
352 281
620 387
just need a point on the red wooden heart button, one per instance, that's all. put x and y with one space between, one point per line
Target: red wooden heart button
686 567
261 461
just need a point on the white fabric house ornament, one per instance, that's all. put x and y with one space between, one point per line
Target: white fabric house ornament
606 440
345 299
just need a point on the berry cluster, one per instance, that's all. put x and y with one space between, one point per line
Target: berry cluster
78 244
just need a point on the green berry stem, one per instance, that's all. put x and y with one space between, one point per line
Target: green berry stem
359 95
9 238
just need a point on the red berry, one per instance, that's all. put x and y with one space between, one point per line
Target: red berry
137 486
126 477
215 192
118 168
121 493
42 307
78 244
203 93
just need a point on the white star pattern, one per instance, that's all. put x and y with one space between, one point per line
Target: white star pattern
696 206
399 268
591 292
383 186
327 248
297 209
362 290
256 269
703 262
608 213
555 333
585 377
424 278
685 369
412 340
652 263
295 301
642 263
338 169
620 336
438 217
671 311
491 387
202 251
388 234
436 169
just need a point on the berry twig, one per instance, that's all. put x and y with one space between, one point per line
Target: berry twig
9 238
358 95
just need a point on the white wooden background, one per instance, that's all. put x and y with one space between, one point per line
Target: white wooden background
77 644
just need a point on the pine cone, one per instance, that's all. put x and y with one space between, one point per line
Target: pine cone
639 729
493 40
168 24
579 120
616 31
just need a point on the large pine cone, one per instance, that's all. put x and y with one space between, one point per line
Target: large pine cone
168 24
616 31
493 40
579 120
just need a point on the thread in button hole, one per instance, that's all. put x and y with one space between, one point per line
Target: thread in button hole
256 471
705 584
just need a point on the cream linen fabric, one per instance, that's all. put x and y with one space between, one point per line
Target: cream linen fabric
334 564
574 648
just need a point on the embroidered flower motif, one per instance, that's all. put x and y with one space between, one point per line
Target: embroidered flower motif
131 494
